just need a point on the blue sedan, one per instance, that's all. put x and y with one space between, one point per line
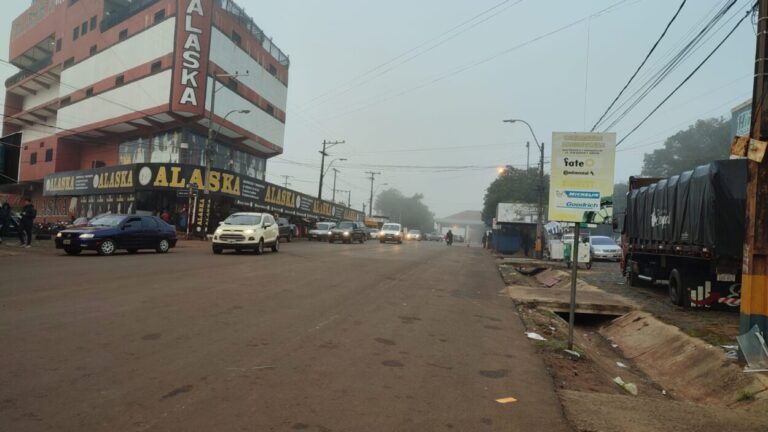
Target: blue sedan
107 233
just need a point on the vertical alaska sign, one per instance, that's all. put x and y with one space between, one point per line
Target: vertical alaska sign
193 42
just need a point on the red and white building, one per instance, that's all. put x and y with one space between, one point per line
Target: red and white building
118 82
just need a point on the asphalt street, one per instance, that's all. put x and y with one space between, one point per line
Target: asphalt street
317 337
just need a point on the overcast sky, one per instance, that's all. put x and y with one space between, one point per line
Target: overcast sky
404 86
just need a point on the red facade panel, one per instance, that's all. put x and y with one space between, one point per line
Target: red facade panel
193 42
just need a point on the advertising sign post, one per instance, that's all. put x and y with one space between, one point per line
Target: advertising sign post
581 189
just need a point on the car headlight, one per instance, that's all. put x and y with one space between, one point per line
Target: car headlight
398 234
218 232
248 232
58 235
346 233
329 233
86 236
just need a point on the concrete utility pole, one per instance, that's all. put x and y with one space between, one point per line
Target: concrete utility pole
754 278
335 172
286 177
326 146
527 156
370 202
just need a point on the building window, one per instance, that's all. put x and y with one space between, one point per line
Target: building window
270 109
93 23
84 28
49 155
33 158
123 35
272 69
120 80
236 38
76 33
66 101
42 144
159 16
69 62
94 49
156 66
58 44
98 164
89 92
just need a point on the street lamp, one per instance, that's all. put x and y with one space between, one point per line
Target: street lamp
335 171
539 224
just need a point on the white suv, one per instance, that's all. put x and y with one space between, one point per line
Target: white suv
391 232
241 231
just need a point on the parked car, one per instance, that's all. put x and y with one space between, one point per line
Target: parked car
602 247
414 235
244 231
391 232
287 229
108 233
321 231
373 233
348 232
434 237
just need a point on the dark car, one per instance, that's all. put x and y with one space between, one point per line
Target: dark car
287 229
105 234
348 232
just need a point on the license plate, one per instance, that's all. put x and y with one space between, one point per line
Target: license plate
66 242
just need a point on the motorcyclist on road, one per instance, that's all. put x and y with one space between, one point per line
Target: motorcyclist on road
449 238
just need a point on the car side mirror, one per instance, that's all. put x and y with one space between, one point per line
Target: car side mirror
267 225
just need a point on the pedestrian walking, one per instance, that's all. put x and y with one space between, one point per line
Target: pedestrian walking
28 215
485 239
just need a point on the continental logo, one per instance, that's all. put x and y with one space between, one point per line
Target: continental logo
280 197
60 184
174 177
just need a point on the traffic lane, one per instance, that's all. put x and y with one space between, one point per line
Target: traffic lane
344 337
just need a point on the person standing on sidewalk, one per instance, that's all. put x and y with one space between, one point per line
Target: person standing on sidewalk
28 215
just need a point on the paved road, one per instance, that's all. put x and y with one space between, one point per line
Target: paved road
317 337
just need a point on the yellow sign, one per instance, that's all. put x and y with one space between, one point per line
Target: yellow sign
581 180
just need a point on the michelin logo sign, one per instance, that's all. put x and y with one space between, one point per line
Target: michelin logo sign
573 199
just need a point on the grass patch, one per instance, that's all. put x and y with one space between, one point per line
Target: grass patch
746 396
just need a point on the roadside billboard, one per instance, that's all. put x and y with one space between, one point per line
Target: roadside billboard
581 185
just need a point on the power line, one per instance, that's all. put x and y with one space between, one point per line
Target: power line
687 77
647 56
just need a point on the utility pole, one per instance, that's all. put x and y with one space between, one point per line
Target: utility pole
335 171
326 146
370 202
363 207
540 221
349 198
527 156
754 278
286 177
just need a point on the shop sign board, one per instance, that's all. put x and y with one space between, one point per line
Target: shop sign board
581 183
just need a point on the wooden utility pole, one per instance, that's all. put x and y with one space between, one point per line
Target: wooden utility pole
754 278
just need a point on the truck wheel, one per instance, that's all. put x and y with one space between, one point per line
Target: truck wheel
677 290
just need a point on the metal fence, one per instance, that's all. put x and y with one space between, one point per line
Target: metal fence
246 21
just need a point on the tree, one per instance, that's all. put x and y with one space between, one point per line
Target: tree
411 212
703 142
514 185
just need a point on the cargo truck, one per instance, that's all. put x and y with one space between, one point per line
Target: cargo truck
687 232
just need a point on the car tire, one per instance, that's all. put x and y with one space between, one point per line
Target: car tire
132 251
276 246
73 252
676 288
260 247
163 246
216 250
107 248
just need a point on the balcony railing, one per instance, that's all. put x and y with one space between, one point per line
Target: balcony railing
29 71
246 21
115 17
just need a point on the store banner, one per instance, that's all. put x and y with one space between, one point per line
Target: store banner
91 182
581 182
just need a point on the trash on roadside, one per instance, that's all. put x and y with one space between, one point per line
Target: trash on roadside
506 400
732 355
729 347
572 353
628 387
664 392
621 365
755 352
613 345
535 336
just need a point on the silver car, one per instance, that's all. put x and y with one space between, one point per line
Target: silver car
605 248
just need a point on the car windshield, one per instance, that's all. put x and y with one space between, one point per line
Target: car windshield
243 219
324 226
390 227
602 241
415 232
346 225
106 221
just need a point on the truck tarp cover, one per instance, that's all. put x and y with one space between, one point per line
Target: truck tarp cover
702 207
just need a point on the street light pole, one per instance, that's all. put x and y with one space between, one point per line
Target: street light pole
370 202
539 223
335 172
326 145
